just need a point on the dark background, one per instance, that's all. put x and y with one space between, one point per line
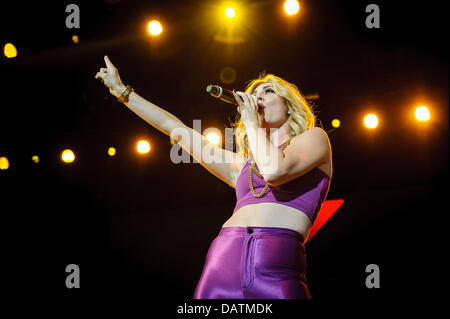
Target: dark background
141 225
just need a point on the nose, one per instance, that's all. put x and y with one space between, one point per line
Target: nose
259 98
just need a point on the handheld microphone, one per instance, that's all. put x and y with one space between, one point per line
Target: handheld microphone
222 94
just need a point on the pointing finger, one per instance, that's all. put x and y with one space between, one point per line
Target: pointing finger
108 62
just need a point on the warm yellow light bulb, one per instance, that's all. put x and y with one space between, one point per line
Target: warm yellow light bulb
422 113
371 121
154 27
111 151
230 13
67 156
143 147
10 50
4 163
213 137
291 7
336 123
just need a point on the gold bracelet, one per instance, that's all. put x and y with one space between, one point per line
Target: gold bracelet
125 95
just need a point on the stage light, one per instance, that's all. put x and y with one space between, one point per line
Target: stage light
4 163
291 7
75 39
10 50
67 156
154 28
213 135
371 121
335 123
213 138
229 21
35 159
422 114
143 147
230 13
111 151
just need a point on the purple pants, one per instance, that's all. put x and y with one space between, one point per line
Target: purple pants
254 263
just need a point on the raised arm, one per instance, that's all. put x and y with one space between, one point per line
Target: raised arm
172 126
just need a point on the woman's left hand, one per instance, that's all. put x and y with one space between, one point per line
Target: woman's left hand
248 108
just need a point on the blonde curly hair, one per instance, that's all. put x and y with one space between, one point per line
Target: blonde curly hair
301 116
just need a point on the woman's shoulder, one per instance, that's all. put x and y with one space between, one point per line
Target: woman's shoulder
315 130
315 139
315 133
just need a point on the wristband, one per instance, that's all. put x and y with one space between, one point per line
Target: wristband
124 96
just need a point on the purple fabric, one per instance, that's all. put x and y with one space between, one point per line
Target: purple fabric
254 263
305 193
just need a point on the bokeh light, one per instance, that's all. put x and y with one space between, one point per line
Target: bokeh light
10 50
111 151
230 13
213 138
335 123
422 113
67 156
213 135
143 147
371 121
4 163
228 75
154 28
291 7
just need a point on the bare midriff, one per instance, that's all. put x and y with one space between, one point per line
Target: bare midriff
271 215
274 214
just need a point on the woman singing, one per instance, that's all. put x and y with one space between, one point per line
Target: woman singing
281 174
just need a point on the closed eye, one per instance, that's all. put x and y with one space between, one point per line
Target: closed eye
266 90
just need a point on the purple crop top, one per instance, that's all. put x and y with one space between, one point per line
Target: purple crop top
305 193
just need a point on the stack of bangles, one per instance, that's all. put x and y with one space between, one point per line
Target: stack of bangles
125 95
